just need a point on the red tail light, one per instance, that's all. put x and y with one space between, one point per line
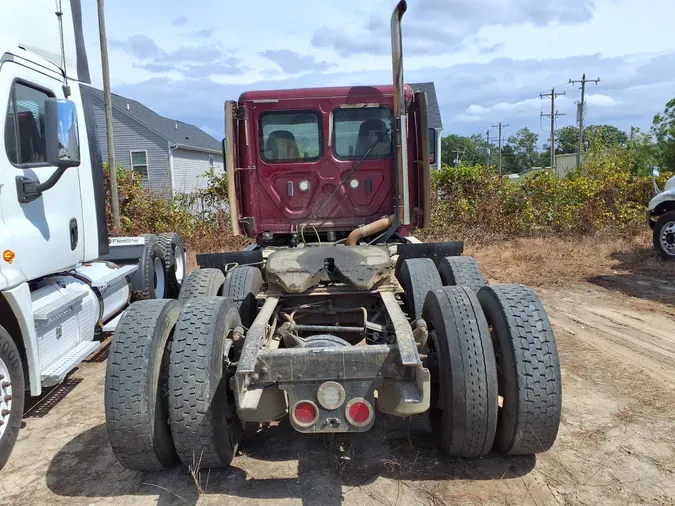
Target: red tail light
359 412
305 413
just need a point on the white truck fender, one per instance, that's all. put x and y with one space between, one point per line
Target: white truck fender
20 301
666 196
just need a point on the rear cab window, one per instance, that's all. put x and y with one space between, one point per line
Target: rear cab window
25 125
290 136
361 131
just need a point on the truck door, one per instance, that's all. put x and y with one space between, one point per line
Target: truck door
47 231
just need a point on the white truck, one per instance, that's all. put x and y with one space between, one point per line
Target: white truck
661 217
63 281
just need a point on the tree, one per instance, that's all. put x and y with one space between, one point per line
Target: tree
663 129
609 135
525 153
567 140
456 149
643 151
510 161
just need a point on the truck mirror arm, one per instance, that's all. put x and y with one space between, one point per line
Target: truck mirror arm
29 189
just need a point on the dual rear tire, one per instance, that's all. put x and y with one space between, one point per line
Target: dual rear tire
494 369
167 386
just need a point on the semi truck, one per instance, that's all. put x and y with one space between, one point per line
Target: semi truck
337 314
63 281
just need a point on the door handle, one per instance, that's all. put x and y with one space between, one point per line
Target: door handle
74 235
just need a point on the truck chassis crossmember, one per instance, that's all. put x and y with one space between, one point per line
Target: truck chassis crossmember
265 372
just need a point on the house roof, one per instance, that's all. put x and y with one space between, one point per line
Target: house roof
433 112
175 131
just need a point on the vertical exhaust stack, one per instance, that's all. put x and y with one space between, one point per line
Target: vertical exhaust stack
401 120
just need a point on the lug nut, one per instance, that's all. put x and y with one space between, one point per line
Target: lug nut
8 398
5 412
6 384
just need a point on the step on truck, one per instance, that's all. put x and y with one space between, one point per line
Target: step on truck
63 281
337 314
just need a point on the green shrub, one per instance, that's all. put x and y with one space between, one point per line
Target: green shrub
603 194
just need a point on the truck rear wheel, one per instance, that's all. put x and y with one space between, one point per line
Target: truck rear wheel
12 395
529 369
173 252
418 276
461 271
202 283
461 360
664 235
242 284
154 280
202 411
136 400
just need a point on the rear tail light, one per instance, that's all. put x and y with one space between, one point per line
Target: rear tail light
305 413
331 395
359 412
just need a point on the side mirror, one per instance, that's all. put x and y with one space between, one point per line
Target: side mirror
655 171
61 133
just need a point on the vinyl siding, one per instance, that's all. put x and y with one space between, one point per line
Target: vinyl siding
130 135
190 169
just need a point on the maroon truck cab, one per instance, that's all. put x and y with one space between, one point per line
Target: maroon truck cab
322 160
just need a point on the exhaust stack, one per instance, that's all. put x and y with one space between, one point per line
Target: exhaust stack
401 119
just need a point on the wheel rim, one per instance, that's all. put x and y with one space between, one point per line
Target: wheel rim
158 268
668 238
179 254
5 397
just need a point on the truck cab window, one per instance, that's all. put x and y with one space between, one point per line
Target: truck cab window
25 126
355 131
290 136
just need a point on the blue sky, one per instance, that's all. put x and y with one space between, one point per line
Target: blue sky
490 59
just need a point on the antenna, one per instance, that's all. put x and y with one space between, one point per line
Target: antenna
59 15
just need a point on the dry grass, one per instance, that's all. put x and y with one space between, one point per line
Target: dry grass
555 260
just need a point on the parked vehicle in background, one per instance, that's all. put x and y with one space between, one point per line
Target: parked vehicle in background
661 217
63 281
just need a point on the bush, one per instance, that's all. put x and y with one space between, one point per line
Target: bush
472 202
200 218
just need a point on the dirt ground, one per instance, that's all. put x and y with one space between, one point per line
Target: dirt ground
616 443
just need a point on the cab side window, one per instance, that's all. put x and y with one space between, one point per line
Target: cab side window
25 125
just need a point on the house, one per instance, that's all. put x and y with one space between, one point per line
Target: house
171 156
433 116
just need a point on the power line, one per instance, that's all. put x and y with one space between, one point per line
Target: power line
500 126
580 111
554 115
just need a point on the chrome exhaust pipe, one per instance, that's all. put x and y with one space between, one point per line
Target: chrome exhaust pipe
397 57
401 120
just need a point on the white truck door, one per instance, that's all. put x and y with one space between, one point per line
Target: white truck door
46 232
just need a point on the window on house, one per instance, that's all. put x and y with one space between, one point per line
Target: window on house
290 136
432 145
139 162
25 125
355 131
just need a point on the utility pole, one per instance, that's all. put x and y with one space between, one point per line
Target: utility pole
580 111
500 126
554 114
487 150
115 204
